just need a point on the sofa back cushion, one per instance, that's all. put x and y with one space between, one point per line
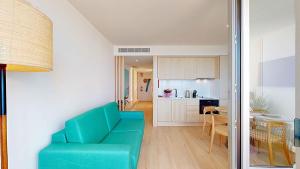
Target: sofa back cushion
112 114
59 137
90 127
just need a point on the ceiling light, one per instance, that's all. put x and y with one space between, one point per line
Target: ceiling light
198 80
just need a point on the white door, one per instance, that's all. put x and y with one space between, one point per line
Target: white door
268 83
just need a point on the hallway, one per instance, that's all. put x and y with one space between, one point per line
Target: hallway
177 147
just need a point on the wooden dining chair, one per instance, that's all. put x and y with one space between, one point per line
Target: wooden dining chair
207 111
271 132
219 128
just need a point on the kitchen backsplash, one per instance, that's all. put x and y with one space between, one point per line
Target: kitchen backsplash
206 88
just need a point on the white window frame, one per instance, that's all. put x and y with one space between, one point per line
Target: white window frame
245 87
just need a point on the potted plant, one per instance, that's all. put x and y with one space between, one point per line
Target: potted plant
258 104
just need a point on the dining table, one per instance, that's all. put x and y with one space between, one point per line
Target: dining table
270 117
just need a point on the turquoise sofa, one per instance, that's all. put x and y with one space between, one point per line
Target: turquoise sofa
102 138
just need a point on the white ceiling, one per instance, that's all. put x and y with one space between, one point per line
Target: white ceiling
158 22
145 62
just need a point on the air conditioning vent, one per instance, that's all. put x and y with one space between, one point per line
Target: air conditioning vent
134 50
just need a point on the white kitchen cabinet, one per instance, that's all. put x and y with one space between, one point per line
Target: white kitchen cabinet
207 68
177 68
164 68
170 68
192 110
188 68
164 110
179 110
192 113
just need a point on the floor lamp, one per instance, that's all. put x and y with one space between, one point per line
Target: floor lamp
25 46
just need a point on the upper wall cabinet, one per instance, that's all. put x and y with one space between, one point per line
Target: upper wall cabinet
170 68
188 68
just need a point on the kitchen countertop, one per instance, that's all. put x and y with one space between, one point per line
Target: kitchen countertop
197 98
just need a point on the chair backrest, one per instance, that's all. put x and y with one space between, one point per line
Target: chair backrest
269 131
276 129
209 109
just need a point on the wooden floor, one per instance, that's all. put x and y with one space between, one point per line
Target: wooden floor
177 147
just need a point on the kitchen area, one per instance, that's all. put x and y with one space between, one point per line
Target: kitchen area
185 85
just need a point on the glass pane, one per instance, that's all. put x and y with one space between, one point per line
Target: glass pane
272 82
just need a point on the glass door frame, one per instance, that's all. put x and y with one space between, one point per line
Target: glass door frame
245 87
235 80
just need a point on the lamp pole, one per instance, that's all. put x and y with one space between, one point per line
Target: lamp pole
3 118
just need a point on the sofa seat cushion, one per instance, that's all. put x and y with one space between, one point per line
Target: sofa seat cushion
112 114
134 139
87 128
125 125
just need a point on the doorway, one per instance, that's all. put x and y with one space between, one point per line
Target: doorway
136 84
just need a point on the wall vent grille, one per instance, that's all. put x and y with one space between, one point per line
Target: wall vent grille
134 50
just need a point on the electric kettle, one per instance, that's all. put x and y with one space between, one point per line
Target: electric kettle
187 94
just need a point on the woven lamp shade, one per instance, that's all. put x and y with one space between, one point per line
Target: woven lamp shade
25 37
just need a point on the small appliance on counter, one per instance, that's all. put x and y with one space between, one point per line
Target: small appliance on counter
194 93
187 94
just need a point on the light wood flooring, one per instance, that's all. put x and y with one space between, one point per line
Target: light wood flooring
261 157
186 148
177 147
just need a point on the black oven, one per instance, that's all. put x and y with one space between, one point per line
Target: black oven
203 103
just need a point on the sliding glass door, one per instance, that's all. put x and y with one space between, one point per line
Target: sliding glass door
268 83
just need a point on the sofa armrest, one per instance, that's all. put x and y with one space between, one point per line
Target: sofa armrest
132 114
85 156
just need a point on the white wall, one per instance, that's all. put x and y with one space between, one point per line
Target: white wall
204 88
40 103
268 46
224 80
141 92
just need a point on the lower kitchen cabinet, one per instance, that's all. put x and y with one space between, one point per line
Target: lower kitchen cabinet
179 110
164 110
192 113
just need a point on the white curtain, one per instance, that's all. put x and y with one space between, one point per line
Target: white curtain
120 81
